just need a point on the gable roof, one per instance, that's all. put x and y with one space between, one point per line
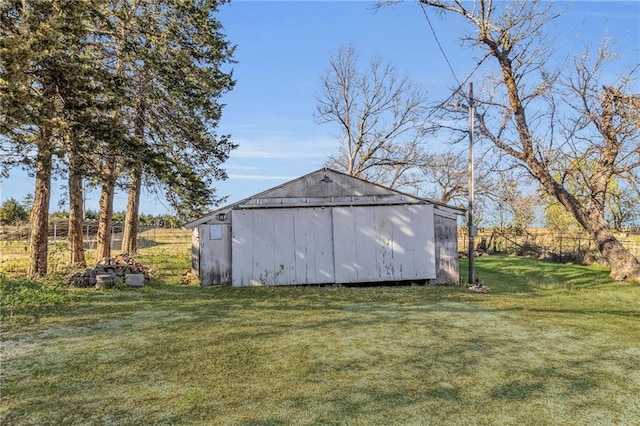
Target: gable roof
316 188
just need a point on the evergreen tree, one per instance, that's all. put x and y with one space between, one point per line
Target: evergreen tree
176 85
12 212
47 73
169 56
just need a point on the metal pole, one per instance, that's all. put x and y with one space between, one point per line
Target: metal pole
472 229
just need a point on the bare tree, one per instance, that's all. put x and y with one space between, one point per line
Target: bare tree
521 104
446 173
377 114
514 203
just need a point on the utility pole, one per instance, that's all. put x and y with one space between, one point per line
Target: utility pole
472 229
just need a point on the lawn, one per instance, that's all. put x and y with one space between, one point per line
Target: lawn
549 344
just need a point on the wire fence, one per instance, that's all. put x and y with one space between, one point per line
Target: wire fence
172 246
572 247
163 247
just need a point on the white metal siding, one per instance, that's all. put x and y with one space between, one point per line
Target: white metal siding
332 245
313 243
282 246
214 255
384 243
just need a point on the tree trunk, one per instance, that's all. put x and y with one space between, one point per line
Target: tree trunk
76 210
130 233
131 219
103 238
39 217
624 266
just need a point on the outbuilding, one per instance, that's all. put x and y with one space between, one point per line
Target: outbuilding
327 228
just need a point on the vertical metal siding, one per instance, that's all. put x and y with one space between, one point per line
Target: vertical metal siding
448 270
214 255
241 248
332 245
196 249
384 243
281 246
313 246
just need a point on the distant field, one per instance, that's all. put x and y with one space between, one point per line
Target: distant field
169 250
550 344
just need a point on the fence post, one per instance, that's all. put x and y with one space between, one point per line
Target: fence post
560 247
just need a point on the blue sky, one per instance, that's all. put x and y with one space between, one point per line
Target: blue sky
283 48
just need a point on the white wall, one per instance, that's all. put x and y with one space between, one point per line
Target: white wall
282 246
318 245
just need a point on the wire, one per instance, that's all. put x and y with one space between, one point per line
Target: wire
433 31
444 54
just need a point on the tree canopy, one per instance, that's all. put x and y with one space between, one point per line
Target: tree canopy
100 88
549 122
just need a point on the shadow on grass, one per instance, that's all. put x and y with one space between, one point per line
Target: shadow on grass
525 274
517 389
328 355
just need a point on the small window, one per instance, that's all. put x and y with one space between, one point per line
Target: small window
215 232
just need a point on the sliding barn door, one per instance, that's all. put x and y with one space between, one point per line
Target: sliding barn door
384 243
282 246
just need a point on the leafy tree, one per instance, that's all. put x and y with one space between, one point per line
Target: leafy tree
598 121
90 215
558 219
169 57
27 201
377 114
12 212
118 217
58 215
146 219
622 206
44 76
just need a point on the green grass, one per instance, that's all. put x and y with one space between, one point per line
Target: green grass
549 344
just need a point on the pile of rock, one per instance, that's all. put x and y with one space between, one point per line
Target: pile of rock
479 288
111 271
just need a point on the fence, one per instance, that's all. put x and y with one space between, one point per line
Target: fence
159 248
561 247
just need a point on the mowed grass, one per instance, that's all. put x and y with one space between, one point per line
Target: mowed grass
549 344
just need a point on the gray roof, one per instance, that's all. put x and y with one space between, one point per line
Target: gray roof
324 187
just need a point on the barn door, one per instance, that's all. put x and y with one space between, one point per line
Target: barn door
282 246
384 243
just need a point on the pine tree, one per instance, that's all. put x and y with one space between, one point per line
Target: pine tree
174 81
45 77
